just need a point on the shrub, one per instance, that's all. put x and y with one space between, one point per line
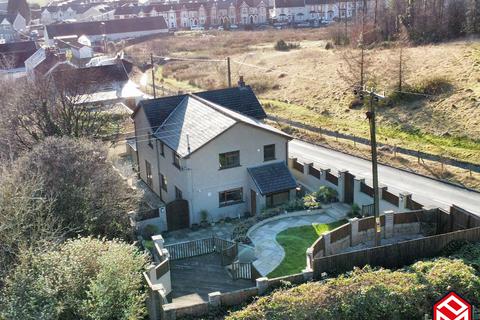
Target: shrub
329 45
354 211
149 231
281 45
204 215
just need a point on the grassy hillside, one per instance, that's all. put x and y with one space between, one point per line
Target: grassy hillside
306 84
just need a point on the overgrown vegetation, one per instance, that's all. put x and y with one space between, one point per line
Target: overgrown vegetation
368 293
81 279
281 45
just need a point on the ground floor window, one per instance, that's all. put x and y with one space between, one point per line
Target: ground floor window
276 199
230 197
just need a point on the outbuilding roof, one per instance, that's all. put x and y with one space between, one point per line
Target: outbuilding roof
272 178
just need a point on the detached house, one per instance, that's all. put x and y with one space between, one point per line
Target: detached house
211 151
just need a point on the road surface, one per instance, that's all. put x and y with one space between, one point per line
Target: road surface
425 191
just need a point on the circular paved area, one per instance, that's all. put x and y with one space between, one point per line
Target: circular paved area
268 252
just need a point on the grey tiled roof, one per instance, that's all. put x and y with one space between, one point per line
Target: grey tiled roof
191 125
242 100
273 177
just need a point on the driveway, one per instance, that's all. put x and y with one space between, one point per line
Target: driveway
426 191
269 253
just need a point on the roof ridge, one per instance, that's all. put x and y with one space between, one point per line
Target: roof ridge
215 107
170 114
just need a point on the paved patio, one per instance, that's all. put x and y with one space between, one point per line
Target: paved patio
269 253
194 278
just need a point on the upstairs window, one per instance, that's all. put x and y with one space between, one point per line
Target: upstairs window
229 159
148 170
269 152
163 181
178 193
176 160
150 140
162 149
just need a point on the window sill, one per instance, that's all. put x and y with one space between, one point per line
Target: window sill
225 168
230 204
271 159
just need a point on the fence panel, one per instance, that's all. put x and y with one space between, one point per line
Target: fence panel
390 198
332 178
297 166
242 270
341 232
366 189
191 248
413 205
392 256
368 210
314 172
162 268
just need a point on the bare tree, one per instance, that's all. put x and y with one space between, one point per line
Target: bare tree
51 107
402 43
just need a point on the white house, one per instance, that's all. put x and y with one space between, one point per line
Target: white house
212 150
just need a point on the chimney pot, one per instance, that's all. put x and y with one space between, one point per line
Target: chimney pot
241 83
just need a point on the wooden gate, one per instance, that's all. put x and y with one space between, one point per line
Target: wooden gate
348 188
177 215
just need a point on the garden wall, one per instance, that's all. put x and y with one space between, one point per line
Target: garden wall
323 256
313 177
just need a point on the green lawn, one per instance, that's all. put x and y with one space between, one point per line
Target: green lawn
295 242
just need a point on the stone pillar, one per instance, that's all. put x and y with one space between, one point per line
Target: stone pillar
357 181
152 274
389 224
158 239
307 274
341 185
162 213
381 188
214 299
354 237
323 176
328 249
403 201
158 248
309 255
290 162
262 285
306 166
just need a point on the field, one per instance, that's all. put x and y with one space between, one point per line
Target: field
309 84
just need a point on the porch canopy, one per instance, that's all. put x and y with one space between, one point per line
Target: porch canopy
272 178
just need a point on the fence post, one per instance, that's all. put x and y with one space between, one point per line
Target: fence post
323 176
341 185
356 188
214 299
309 254
262 285
381 189
389 224
326 239
354 232
403 199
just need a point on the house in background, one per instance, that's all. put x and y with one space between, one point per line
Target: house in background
80 48
10 26
212 152
110 30
13 56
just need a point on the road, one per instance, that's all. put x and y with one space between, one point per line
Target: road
425 191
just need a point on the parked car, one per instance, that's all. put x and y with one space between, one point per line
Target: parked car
233 26
197 28
220 28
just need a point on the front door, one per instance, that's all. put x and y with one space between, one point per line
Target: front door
253 202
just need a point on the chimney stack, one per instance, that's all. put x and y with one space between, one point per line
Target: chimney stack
241 83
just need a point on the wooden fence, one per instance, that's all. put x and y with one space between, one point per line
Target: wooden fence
366 189
413 205
332 178
390 198
241 270
297 165
314 172
199 247
392 256
162 268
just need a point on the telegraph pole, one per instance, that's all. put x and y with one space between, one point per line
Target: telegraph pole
153 76
374 97
229 73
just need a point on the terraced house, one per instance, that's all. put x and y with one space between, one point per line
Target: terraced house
212 151
201 13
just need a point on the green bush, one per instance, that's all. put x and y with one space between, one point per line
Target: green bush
372 294
354 211
149 231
